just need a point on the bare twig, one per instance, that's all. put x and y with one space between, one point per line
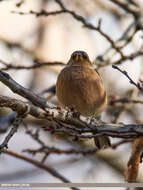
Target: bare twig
78 18
19 3
37 64
51 89
128 57
138 85
47 150
128 7
14 129
11 133
124 106
115 46
125 100
7 121
115 145
47 168
50 150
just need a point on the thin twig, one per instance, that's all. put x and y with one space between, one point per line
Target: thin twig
78 18
127 7
14 129
138 85
38 164
37 64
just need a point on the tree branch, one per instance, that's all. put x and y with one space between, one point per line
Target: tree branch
47 168
138 85
78 127
20 90
37 64
128 7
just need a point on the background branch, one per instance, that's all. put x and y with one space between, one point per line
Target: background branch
50 170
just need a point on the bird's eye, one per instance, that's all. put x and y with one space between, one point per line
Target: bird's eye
85 56
74 56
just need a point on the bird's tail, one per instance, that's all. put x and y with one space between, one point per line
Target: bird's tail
102 142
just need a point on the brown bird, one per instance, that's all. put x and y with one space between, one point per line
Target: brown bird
80 87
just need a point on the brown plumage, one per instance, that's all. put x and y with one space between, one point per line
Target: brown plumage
80 87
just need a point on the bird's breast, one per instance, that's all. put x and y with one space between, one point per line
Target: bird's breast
82 89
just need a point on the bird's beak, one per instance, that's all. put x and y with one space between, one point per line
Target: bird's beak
79 58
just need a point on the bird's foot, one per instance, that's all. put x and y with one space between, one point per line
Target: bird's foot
96 120
74 113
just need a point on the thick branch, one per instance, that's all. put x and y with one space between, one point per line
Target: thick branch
24 92
78 127
134 161
19 106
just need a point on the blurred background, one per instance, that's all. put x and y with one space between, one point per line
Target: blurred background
26 37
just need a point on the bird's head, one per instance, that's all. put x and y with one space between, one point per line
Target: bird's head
79 58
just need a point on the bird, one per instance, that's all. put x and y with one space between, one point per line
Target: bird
79 86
